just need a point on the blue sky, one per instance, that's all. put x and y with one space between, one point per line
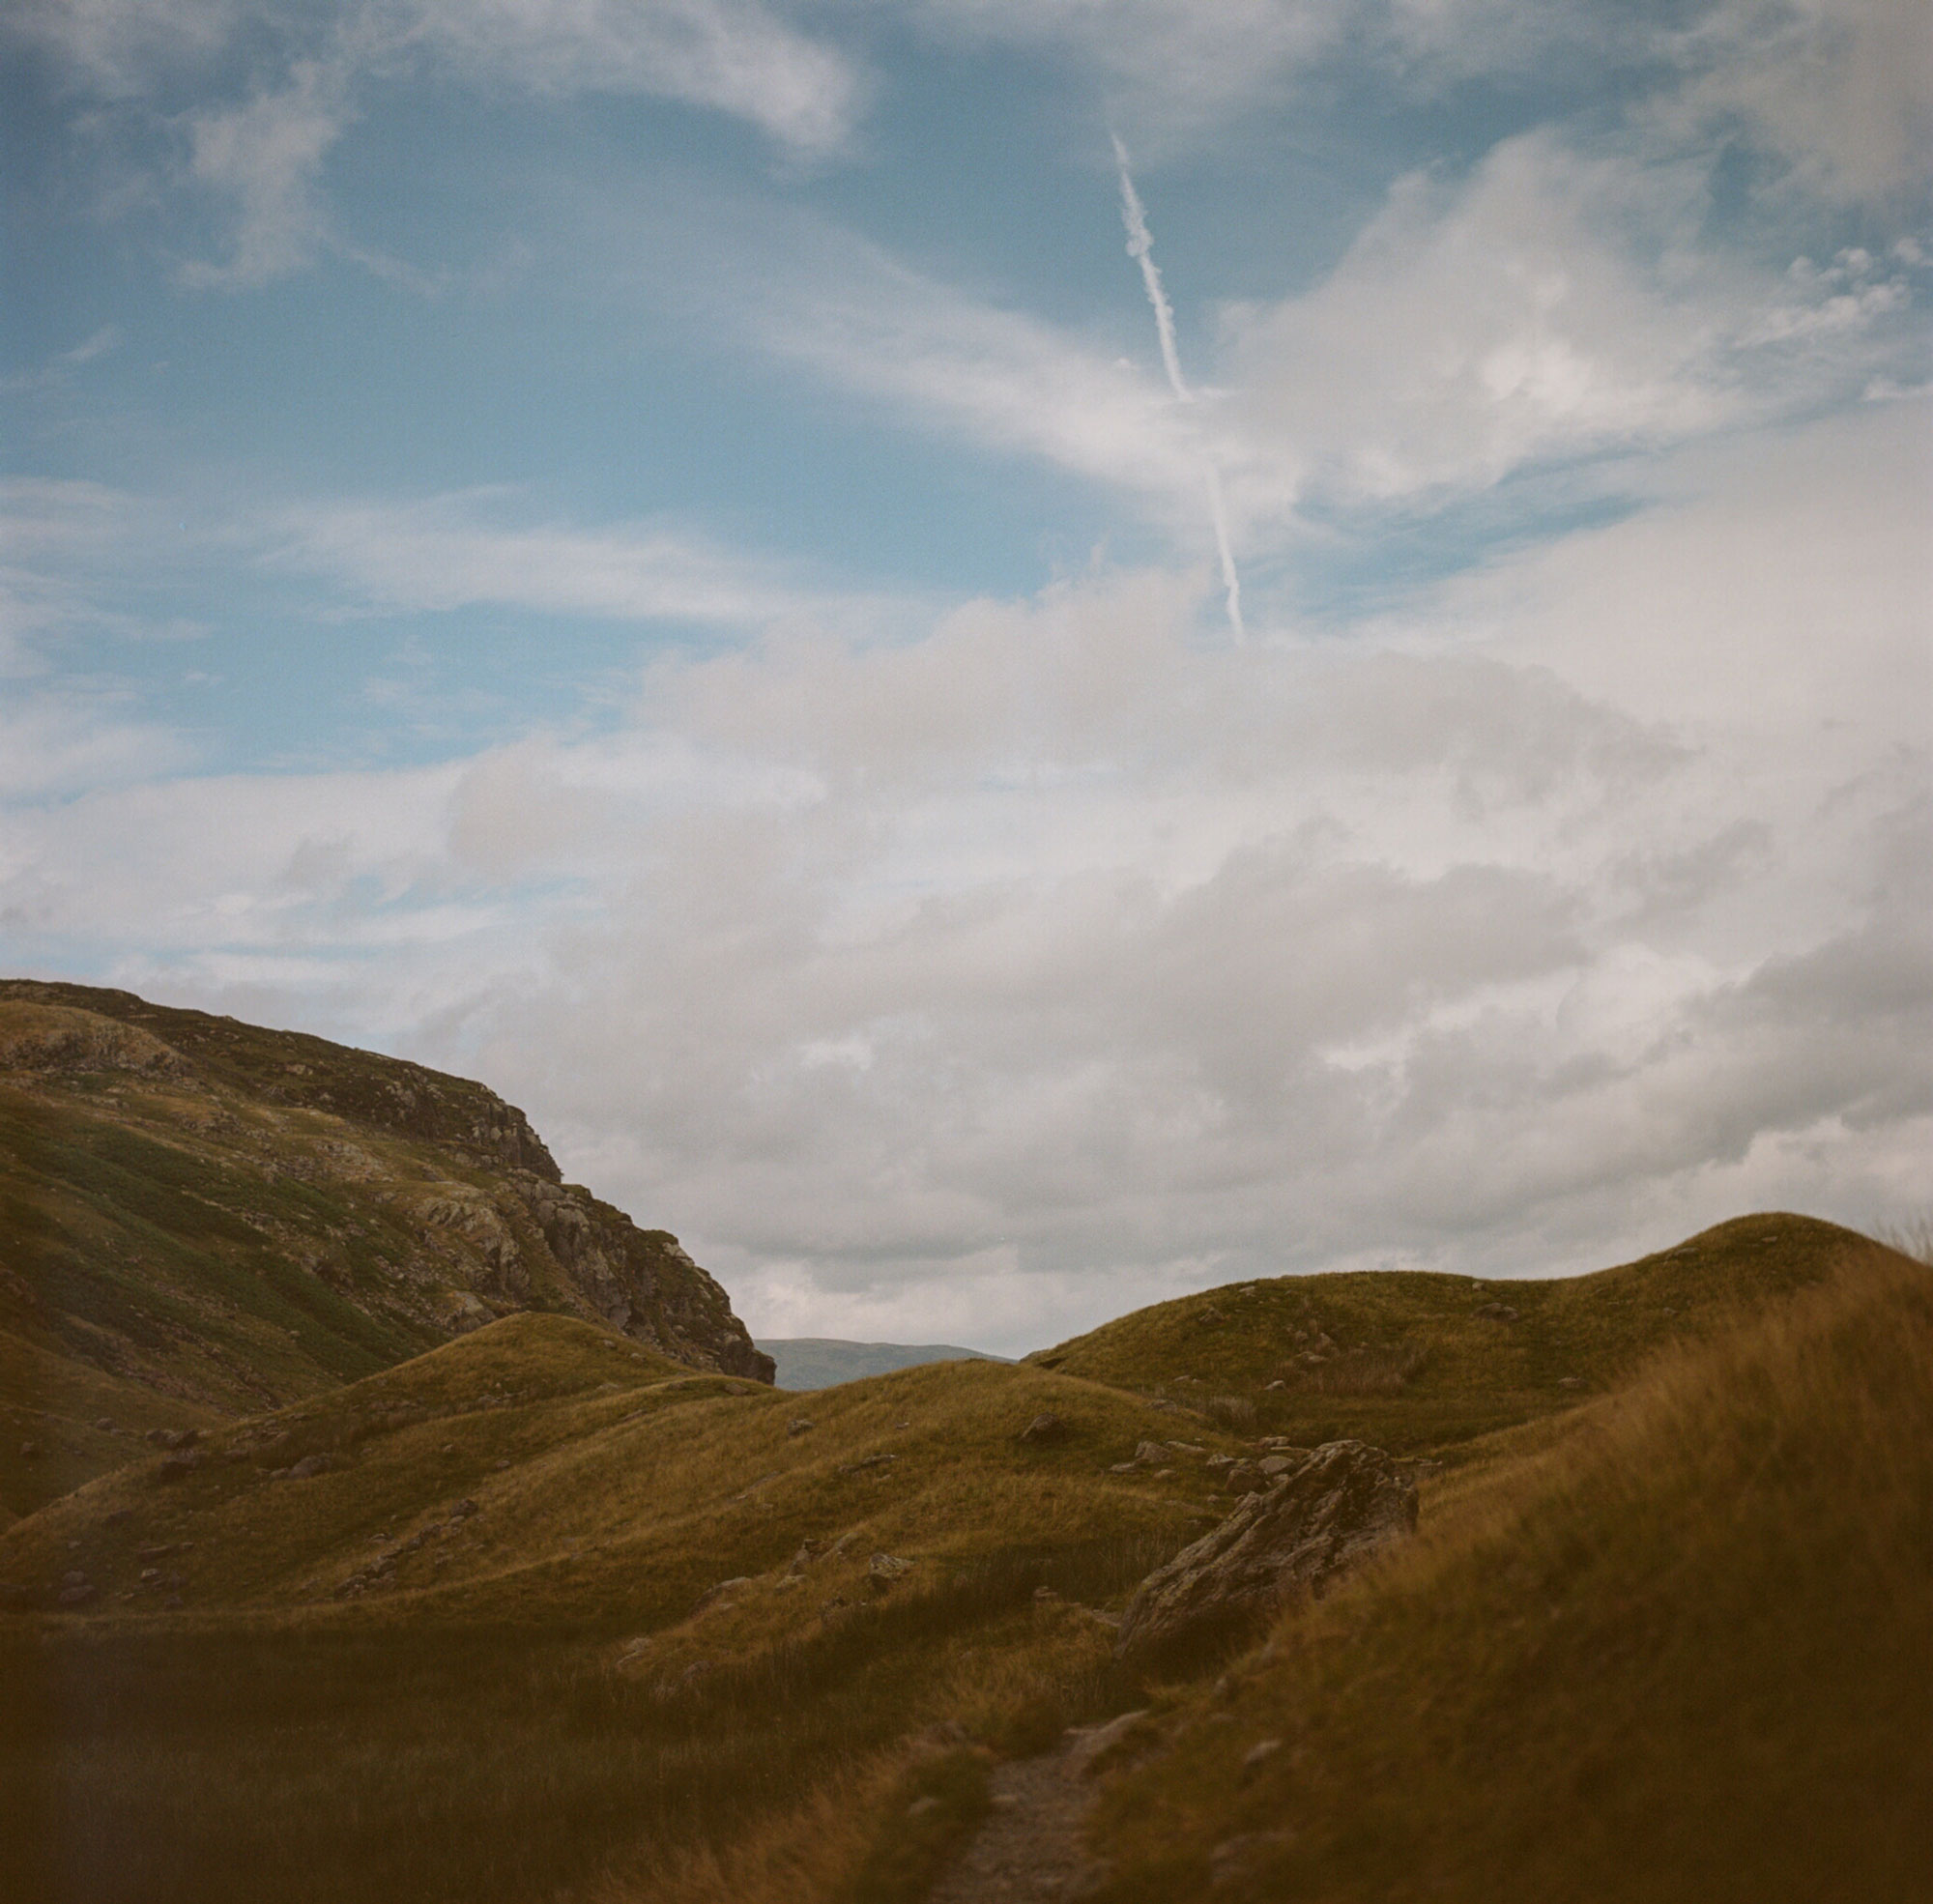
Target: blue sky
649 553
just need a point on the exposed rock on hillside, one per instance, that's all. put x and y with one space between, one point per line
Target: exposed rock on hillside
1319 1518
214 1216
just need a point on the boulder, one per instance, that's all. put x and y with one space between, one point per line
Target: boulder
1043 1431
1343 1501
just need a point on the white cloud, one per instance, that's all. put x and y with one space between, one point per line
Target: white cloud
1055 961
263 157
452 551
1554 304
737 56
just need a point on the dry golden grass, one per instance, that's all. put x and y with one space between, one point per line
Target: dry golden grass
563 1708
1676 1648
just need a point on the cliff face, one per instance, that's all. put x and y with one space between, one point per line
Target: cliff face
227 1218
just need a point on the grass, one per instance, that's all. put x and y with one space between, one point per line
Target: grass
1412 1362
655 1661
563 1694
1676 1648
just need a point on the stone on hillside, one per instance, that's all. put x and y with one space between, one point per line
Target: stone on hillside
1343 1501
179 1466
1275 1464
1498 1311
1044 1431
1240 1477
1570 1381
310 1465
799 1426
1150 1451
884 1568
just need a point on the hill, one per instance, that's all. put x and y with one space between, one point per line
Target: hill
1673 1649
540 1613
1415 1362
202 1219
813 1362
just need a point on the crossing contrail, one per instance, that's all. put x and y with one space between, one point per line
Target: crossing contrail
1141 248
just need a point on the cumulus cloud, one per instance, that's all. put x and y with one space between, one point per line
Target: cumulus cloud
1055 961
1554 304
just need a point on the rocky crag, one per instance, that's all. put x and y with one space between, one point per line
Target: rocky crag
201 1218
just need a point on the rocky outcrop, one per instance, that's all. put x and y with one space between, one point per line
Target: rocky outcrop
1321 1516
235 1216
292 1067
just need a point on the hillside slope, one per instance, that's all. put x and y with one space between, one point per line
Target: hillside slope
200 1218
1675 1652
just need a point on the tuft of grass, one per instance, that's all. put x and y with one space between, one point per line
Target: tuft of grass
931 1813
1673 1649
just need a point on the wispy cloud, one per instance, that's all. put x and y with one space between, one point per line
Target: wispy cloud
480 546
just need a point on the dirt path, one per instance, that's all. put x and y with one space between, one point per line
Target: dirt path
1030 1851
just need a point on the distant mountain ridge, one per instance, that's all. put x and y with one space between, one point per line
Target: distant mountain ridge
809 1362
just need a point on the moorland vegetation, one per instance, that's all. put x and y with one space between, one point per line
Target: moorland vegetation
541 1609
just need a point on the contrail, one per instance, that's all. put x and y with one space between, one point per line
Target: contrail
1141 248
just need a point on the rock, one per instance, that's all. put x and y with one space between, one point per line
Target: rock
1220 1461
1260 1753
1570 1381
1498 1311
713 1594
312 1465
1150 1451
1274 1465
1341 1502
172 1437
1273 1386
874 1461
1240 1477
1043 1431
1185 1447
884 1568
78 1594
179 1466
105 1425
1124 1467
799 1426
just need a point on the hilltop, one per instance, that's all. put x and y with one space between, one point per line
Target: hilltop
1418 1362
201 1219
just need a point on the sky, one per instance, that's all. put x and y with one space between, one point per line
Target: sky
1004 658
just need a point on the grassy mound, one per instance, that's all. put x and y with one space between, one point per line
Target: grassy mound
1678 1650
1417 1363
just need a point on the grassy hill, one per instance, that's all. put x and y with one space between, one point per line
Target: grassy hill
541 1614
1415 1362
1676 1648
202 1219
